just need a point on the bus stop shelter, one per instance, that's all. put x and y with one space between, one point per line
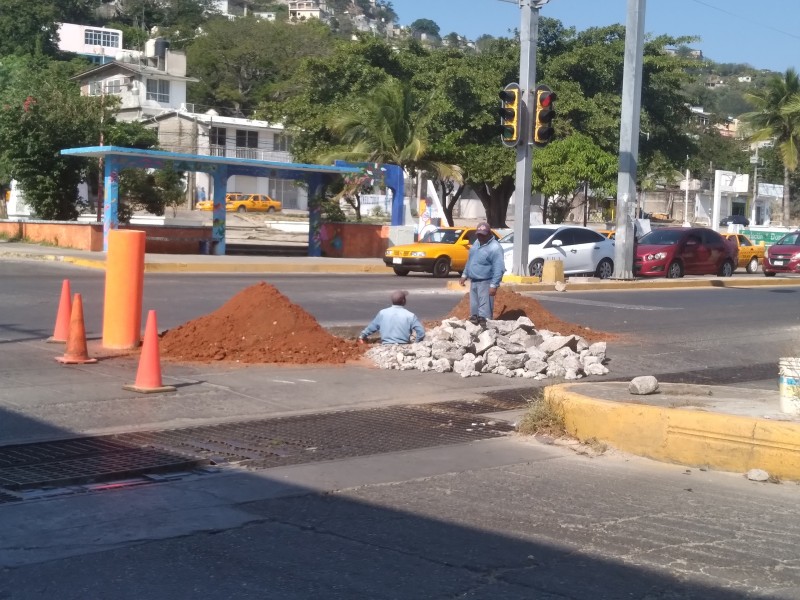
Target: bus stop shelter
220 168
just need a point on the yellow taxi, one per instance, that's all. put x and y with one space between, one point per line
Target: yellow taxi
438 252
750 254
609 233
236 202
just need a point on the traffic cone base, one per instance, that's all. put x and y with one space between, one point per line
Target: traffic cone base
63 316
76 353
148 376
132 387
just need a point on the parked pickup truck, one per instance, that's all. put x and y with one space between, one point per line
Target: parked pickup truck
750 255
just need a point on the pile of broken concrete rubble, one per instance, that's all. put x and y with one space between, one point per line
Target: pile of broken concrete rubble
509 348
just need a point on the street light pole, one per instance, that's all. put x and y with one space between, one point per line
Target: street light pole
629 139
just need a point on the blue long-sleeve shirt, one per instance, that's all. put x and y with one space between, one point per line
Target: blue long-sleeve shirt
485 261
395 324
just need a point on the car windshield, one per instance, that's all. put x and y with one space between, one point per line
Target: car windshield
661 237
442 236
790 239
536 235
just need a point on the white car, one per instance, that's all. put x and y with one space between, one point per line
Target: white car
582 250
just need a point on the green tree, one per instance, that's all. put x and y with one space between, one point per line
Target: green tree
43 113
28 27
390 126
777 117
241 62
425 26
565 168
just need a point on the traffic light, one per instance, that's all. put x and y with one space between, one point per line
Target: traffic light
510 114
544 114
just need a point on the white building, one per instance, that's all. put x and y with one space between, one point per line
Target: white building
98 44
208 133
147 83
301 10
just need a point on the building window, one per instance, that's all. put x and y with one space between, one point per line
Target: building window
158 90
281 142
95 88
246 143
114 86
98 37
216 137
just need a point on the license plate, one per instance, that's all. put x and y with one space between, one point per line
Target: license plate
778 263
397 261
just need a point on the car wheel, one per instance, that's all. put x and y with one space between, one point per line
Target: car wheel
726 270
400 271
536 268
271 209
241 208
769 273
441 268
752 266
605 269
675 270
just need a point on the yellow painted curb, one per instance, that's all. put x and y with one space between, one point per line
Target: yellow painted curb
683 436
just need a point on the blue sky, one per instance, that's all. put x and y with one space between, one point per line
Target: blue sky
762 33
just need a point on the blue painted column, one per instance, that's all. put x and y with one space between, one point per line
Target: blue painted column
110 197
395 181
220 176
316 188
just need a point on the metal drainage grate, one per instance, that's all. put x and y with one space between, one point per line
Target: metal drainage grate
254 444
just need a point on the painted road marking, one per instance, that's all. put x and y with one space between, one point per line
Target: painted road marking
604 304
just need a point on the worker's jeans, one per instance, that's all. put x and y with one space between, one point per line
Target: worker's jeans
480 302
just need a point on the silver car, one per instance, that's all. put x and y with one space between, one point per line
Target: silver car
582 250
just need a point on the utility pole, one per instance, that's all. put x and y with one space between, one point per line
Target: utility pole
754 161
528 38
629 139
101 165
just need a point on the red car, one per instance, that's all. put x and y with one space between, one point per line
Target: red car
784 255
678 251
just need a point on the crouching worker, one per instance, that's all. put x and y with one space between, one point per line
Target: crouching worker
395 323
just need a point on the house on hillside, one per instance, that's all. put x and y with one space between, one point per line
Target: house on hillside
147 83
98 44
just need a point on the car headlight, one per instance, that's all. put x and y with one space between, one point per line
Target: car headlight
388 253
796 256
656 256
418 254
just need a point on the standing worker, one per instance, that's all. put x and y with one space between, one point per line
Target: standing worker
484 270
395 323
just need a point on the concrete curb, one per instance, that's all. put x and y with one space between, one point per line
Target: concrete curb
680 435
643 284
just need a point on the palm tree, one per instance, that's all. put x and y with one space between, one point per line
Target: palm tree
777 118
390 126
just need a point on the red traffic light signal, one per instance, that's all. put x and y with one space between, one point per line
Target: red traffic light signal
510 115
544 114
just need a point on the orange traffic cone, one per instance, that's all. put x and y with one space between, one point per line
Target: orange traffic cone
63 317
148 376
76 353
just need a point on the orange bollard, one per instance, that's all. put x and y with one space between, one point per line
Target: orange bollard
63 316
122 305
76 353
148 376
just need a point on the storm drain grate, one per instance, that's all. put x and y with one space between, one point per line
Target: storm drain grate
254 444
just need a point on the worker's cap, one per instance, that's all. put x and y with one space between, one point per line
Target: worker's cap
484 229
399 296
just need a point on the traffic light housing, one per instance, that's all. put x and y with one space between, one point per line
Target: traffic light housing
544 114
510 114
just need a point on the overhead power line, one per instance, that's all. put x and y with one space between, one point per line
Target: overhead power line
748 18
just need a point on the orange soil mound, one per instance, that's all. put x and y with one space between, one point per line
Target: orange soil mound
509 305
257 325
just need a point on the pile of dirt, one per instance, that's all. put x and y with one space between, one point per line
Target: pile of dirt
509 306
258 325
261 325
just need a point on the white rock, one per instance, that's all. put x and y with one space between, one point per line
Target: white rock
757 475
641 386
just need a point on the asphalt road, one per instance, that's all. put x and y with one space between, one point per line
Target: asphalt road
660 331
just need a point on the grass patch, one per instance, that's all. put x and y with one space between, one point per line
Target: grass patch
543 417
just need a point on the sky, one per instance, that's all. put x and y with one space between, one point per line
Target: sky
762 33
